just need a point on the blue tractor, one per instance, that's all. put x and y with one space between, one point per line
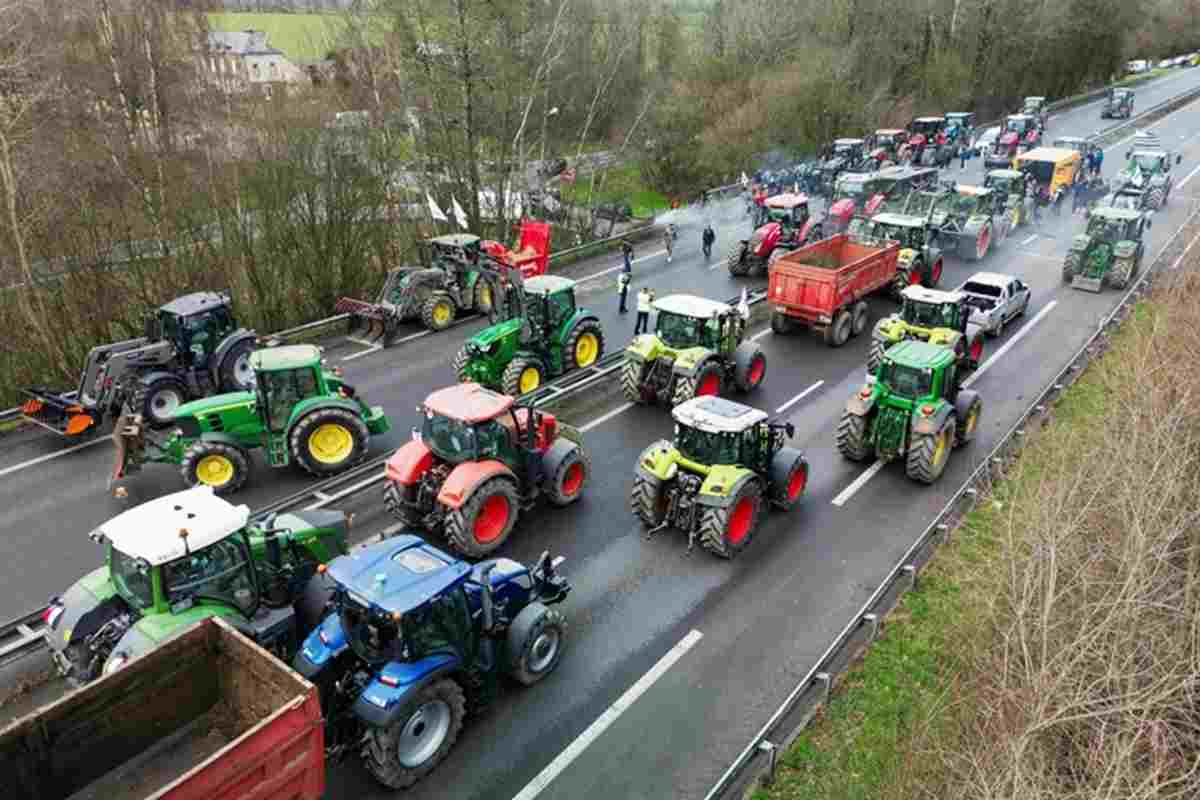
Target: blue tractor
414 639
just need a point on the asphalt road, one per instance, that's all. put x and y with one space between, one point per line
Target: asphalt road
706 648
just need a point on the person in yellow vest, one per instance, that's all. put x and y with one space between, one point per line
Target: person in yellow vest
645 298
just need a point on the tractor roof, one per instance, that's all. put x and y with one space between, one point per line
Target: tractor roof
399 574
1054 155
1121 214
1121 92
973 191
151 530
787 200
1006 173
888 131
919 355
1035 99
713 414
900 173
289 356
548 284
929 119
689 305
846 142
468 402
195 303
936 296
899 220
1070 139
1160 154
455 240
959 114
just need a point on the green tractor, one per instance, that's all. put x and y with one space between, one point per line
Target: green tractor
1109 252
930 315
1013 185
728 463
180 559
972 216
543 335
914 407
696 349
298 411
1145 182
920 261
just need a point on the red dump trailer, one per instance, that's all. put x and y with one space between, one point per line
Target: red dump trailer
824 285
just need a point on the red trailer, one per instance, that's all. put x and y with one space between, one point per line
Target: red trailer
824 285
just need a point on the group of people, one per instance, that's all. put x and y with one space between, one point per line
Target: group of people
645 295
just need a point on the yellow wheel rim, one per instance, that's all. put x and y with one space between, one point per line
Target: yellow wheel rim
939 450
215 470
441 313
972 420
1016 216
485 296
586 349
530 379
331 443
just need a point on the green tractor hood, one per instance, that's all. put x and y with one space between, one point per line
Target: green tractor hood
649 347
495 333
220 402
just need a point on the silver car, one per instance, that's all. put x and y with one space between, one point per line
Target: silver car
995 300
985 140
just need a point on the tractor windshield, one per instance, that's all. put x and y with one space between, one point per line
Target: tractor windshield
1106 230
219 572
451 440
678 331
1017 125
930 315
131 577
280 391
926 126
907 237
1148 163
707 448
907 382
1003 185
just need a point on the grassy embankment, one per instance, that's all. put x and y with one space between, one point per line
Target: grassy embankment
1050 650
302 37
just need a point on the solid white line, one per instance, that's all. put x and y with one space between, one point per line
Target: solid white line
799 397
50 456
416 335
759 335
349 490
1030 239
1190 175
604 272
363 342
1028 326
610 715
1191 244
857 484
621 409
361 353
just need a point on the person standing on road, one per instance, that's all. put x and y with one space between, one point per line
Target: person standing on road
962 154
707 239
1099 162
645 297
627 255
669 241
623 290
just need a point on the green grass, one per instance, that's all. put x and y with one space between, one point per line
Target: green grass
623 184
302 37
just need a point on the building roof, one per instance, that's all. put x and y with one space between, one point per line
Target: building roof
241 43
468 402
689 305
152 530
713 414
548 284
289 356
398 574
195 303
787 200
923 295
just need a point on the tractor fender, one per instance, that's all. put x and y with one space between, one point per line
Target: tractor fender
147 378
463 480
860 404
221 438
689 361
409 463
580 316
227 344
325 643
556 454
922 424
722 485
381 703
887 329
654 462
306 407
974 225
806 229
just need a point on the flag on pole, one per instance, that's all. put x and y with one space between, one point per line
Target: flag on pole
434 211
459 214
744 305
745 179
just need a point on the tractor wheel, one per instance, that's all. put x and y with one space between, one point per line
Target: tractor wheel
483 523
422 735
838 332
224 467
706 381
1121 273
860 315
328 441
585 345
738 260
727 531
236 373
934 277
485 297
929 452
160 399
976 248
1156 199
781 323
789 478
535 643
968 408
1070 267
631 386
750 367
461 360
648 502
391 501
437 313
569 479
521 375
875 355
1001 226
851 437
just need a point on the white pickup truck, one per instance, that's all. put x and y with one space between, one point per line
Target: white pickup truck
995 300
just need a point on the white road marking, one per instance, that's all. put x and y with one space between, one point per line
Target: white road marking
363 342
610 270
610 715
1030 239
50 456
871 471
326 499
621 409
759 335
799 397
1191 244
1190 175
361 353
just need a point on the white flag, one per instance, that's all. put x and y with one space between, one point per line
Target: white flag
459 214
745 180
744 305
435 211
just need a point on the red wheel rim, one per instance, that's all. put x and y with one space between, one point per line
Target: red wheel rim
573 480
492 519
937 273
797 483
914 278
741 520
977 350
757 367
710 384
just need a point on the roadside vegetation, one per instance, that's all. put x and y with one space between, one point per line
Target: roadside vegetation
1051 648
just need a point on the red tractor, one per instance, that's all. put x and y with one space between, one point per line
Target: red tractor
532 255
926 140
885 145
788 222
476 462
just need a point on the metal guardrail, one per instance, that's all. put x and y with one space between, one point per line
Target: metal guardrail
813 690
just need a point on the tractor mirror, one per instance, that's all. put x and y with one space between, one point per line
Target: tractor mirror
1149 223
1178 158
791 430
1128 154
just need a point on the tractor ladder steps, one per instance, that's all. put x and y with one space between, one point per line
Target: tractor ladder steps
22 636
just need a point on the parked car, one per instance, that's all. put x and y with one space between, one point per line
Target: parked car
995 300
985 140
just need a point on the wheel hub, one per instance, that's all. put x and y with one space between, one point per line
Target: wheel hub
423 734
214 470
331 443
543 651
164 403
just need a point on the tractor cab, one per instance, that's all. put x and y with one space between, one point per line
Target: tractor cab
912 232
195 324
1148 162
849 149
714 430
686 321
1035 107
932 308
789 211
1077 143
453 251
1112 225
468 422
1008 182
924 131
1019 130
1117 103
960 126
284 378
915 373
885 143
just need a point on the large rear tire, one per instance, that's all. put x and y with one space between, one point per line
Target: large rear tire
1121 273
738 260
585 345
648 501
1156 199
329 441
437 312
483 523
398 509
422 735
631 387
570 478
707 380
460 363
928 454
222 466
235 371
875 355
160 400
750 367
727 531
1070 267
851 437
789 478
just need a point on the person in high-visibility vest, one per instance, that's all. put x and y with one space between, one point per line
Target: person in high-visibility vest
645 298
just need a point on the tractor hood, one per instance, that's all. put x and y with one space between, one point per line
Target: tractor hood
495 333
843 209
1126 248
218 402
397 574
82 597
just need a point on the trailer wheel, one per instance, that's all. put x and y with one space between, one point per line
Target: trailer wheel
236 373
160 399
328 441
422 735
781 323
859 315
838 333
222 466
